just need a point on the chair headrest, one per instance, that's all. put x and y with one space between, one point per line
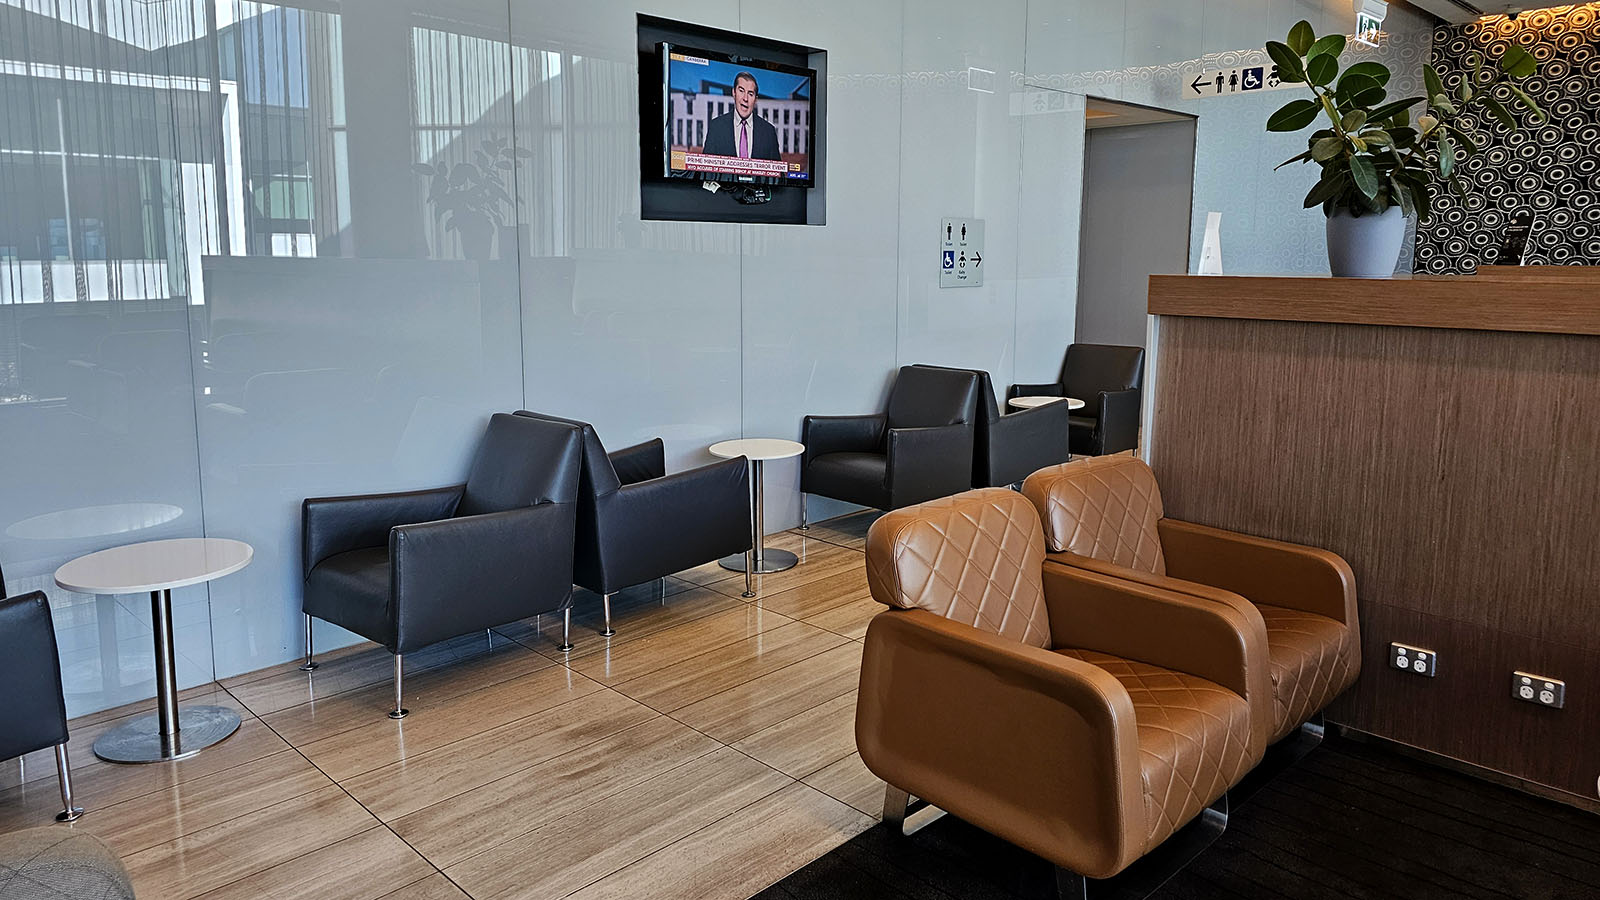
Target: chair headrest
522 461
974 558
1105 507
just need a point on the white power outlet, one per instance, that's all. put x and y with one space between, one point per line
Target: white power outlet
1551 692
1415 660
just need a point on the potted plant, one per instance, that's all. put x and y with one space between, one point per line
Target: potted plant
1379 168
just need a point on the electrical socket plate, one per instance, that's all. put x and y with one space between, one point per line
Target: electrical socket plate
1551 692
1415 660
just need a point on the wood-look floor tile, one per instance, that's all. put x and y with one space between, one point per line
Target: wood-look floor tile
707 574
487 816
591 843
385 741
326 657
325 716
850 781
161 816
801 744
347 672
367 866
632 657
698 677
219 855
821 561
423 779
739 855
846 531
434 887
100 784
821 595
850 620
776 696
632 617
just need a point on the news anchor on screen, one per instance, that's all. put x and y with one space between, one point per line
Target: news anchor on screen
742 133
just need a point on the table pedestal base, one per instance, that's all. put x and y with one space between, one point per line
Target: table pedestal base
141 741
771 561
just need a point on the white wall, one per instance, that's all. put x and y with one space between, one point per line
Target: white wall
373 366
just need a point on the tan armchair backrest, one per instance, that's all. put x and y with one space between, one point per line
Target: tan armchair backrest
973 558
1103 507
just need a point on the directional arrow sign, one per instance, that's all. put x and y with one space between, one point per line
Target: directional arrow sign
977 259
1250 78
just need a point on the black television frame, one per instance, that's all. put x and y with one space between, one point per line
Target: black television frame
665 49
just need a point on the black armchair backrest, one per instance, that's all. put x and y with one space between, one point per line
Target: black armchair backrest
522 461
34 715
924 397
1091 368
599 476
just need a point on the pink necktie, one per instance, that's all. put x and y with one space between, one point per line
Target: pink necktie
744 139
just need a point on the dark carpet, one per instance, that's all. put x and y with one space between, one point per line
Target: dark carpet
1350 820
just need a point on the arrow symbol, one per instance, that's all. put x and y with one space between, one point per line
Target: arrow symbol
977 259
1195 84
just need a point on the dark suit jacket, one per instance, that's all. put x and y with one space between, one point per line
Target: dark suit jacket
722 141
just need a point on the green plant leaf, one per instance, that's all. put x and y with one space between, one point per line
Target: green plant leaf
1376 71
1377 137
1432 82
1518 63
1467 143
1294 116
1358 90
1499 111
1365 175
1290 69
1327 148
1326 189
1304 157
1331 44
1408 206
1390 110
1447 155
1321 69
1301 36
1353 120
1404 136
1528 102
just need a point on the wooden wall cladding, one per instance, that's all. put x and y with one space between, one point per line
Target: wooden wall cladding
1458 472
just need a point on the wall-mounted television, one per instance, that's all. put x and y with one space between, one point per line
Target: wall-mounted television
736 118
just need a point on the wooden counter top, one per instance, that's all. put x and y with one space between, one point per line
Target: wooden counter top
1464 302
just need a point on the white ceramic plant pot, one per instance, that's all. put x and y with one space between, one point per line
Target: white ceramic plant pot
1365 246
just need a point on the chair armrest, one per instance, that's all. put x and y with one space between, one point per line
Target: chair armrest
1220 638
1036 390
331 525
34 715
1119 420
1031 745
640 462
665 525
1028 440
927 463
1277 573
456 576
841 434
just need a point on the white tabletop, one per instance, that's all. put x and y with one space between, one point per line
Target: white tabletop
758 448
1031 402
154 566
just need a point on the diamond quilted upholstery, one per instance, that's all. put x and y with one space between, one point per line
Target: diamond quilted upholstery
1309 656
1104 507
974 558
1194 738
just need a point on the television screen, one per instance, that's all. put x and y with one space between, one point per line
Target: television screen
737 119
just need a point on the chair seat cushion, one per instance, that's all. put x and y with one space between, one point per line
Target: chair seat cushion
1194 739
855 477
1309 656
351 590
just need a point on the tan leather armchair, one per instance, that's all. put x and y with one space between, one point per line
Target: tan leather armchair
1104 516
1082 717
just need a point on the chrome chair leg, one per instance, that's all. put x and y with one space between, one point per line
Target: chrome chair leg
310 663
69 813
399 711
805 525
606 599
566 631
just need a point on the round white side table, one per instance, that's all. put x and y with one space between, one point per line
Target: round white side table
1032 402
172 732
759 561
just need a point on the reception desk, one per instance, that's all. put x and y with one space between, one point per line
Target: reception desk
1443 435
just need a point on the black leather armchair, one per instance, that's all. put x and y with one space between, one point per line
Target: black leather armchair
636 523
1107 378
919 449
34 715
411 569
1010 446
